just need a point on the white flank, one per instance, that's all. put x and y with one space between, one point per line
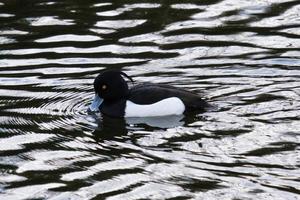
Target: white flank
169 106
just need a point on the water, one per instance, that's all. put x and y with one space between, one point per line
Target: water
243 57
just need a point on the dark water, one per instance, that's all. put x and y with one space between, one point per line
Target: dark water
243 56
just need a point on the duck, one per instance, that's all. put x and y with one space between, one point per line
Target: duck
114 98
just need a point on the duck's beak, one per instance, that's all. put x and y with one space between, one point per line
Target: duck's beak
96 103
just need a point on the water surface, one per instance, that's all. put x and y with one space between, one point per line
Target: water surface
243 57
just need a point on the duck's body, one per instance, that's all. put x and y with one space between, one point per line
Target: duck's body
144 100
127 108
148 93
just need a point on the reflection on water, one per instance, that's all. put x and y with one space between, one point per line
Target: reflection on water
160 122
243 57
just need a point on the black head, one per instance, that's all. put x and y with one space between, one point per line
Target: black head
110 85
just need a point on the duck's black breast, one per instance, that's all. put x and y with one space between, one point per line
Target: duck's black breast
148 93
114 108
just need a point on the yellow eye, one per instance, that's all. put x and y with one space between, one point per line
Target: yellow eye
104 87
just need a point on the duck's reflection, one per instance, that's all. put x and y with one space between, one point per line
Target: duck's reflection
109 128
157 122
113 128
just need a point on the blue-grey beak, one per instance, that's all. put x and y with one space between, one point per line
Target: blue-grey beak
96 103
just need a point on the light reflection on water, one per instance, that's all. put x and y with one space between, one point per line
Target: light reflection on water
242 57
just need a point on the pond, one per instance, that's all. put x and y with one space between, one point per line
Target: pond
242 56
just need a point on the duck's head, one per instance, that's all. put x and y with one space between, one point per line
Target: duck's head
109 86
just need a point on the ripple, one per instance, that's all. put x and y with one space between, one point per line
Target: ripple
289 17
49 160
49 21
11 178
154 191
70 110
46 71
186 6
192 24
13 32
142 5
119 164
119 183
102 4
112 13
5 15
66 61
127 8
116 49
102 30
33 191
5 40
4 120
17 142
117 24
243 58
295 31
69 37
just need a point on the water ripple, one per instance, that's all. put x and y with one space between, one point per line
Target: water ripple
242 57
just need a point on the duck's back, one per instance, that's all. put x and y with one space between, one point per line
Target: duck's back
149 93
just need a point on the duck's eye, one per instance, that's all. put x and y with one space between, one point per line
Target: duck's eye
104 87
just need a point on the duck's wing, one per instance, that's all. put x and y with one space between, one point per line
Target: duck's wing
148 93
